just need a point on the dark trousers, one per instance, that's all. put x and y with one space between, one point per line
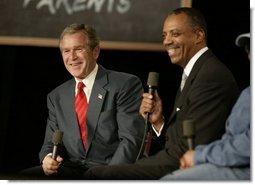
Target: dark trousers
150 168
64 173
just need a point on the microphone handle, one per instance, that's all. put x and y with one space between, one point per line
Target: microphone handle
54 153
151 90
190 141
147 129
147 121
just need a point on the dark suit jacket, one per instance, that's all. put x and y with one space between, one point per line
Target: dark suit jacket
115 128
208 96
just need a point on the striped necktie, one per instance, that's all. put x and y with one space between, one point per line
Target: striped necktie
184 78
81 106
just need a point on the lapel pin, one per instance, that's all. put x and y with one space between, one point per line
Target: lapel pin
100 96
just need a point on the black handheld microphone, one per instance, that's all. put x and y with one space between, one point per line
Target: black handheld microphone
152 83
56 139
189 133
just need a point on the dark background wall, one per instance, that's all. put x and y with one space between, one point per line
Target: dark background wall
29 73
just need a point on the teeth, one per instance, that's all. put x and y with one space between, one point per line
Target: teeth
171 51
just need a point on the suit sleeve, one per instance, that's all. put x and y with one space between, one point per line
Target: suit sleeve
52 125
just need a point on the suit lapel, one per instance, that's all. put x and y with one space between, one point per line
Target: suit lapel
96 101
180 97
68 102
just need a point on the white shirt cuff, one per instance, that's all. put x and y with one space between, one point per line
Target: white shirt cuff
158 133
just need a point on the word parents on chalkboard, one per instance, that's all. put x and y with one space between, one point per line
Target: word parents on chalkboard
121 24
73 6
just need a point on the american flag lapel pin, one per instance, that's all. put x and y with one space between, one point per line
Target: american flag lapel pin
100 96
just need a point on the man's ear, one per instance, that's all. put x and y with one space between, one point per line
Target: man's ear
200 36
96 52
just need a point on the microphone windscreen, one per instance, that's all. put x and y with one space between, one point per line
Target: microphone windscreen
57 137
153 79
188 128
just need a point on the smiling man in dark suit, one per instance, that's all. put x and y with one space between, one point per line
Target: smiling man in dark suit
207 97
114 127
228 158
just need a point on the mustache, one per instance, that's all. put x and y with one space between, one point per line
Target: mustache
170 46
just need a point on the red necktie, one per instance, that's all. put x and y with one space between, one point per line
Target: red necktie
81 106
148 142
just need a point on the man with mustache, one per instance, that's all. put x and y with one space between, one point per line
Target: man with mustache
229 157
207 97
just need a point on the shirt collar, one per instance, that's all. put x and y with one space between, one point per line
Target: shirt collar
88 81
193 60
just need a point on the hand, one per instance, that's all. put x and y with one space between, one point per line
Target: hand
50 166
153 105
186 160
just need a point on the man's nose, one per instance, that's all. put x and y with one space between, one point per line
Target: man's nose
73 55
168 39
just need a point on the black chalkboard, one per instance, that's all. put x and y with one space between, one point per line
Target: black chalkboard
138 23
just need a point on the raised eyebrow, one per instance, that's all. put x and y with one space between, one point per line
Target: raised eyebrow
80 46
65 49
174 31
75 47
170 31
